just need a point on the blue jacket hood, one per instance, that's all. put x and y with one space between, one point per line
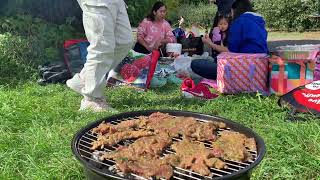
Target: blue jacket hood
248 34
256 18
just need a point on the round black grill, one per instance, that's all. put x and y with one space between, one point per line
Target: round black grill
106 169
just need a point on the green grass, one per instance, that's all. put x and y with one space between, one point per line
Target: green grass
272 36
37 124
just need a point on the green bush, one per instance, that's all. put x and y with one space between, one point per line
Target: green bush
27 42
201 13
288 14
17 59
279 14
137 10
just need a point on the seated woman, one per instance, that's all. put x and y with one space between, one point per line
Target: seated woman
247 34
154 31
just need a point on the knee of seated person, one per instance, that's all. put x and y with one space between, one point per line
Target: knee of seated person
194 66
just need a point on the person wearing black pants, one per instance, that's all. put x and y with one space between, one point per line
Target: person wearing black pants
205 68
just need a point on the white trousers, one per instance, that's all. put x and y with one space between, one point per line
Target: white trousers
108 30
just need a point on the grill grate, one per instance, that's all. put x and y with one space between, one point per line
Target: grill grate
84 143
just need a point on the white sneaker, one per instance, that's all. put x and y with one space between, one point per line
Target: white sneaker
75 83
96 105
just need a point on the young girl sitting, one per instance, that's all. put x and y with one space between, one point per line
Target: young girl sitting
219 34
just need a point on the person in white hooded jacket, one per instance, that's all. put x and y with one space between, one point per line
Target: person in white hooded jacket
109 33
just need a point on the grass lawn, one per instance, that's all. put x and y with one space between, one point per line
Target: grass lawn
272 36
37 124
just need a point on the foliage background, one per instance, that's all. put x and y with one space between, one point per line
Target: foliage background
278 13
36 29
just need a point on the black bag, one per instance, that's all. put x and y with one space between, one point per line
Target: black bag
192 45
56 72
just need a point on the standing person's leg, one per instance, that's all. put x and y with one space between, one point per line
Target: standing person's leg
123 37
99 21
123 34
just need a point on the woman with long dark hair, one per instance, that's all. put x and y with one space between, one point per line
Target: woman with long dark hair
223 9
154 31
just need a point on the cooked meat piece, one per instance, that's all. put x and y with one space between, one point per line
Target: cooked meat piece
165 124
147 167
186 126
142 157
160 116
200 131
105 128
194 156
251 144
109 140
173 159
216 163
220 125
152 145
231 146
131 124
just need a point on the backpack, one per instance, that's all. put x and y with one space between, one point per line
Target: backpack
75 54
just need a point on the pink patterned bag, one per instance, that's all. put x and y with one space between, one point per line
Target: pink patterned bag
317 68
242 73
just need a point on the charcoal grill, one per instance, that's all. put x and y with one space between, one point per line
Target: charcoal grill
97 170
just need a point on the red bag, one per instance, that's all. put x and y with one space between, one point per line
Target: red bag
136 70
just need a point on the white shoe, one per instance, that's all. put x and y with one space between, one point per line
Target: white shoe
96 105
76 83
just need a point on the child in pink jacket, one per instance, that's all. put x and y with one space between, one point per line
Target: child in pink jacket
219 34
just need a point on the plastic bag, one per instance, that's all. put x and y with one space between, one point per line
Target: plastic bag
182 66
